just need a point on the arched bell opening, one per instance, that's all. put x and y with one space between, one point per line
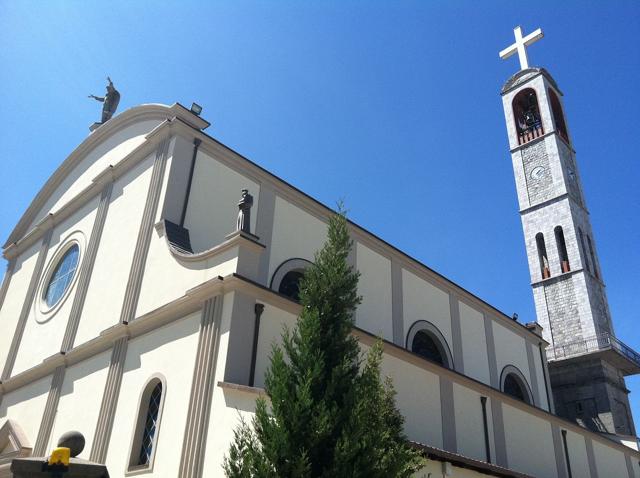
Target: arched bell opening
558 115
526 114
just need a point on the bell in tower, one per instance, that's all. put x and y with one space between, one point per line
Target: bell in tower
587 362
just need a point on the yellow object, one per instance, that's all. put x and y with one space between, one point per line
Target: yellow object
60 456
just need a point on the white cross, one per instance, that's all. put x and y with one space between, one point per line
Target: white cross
520 46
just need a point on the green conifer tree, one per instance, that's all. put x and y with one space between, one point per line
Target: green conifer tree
329 414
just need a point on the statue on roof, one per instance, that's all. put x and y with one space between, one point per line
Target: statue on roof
110 100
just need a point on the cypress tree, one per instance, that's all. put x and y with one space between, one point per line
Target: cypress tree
329 414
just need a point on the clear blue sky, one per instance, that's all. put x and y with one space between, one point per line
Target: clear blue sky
393 106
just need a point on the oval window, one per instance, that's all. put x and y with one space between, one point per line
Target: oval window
62 276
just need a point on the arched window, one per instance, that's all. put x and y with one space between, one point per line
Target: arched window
286 278
145 436
513 383
584 250
542 256
562 249
526 114
426 340
593 256
558 116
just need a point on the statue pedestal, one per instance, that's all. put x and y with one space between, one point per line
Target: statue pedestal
94 126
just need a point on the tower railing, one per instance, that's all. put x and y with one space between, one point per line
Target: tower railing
593 344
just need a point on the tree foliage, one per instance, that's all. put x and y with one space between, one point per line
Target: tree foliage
329 413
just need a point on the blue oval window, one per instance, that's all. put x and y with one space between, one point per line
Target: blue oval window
62 276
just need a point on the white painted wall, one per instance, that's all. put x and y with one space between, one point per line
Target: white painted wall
537 363
609 462
474 344
14 299
374 313
213 204
424 301
418 399
114 256
26 406
511 350
577 454
169 350
295 234
469 423
43 332
167 278
272 325
529 443
80 399
109 152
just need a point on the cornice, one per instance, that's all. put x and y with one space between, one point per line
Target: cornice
194 299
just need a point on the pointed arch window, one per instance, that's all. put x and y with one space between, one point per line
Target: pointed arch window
526 114
558 115
562 249
542 256
147 427
584 250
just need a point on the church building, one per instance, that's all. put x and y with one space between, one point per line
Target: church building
149 277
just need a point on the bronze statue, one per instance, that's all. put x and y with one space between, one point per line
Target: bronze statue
110 100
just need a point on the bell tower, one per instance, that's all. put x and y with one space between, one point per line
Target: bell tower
587 363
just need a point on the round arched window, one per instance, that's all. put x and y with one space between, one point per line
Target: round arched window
290 284
515 385
62 276
424 345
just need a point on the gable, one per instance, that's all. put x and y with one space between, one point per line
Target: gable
106 146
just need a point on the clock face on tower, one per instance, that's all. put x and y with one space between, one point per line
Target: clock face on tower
537 172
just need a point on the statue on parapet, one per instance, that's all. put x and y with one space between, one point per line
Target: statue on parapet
110 100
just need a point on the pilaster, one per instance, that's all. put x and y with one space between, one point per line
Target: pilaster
26 306
195 433
50 410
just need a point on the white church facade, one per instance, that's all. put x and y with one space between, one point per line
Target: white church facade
136 310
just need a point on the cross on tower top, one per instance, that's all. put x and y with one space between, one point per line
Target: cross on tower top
520 46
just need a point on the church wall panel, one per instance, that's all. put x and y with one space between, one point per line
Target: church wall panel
577 454
14 298
113 259
609 462
44 331
78 405
474 344
375 312
26 406
157 290
109 152
227 406
424 301
213 211
523 434
541 401
469 423
511 350
296 234
169 351
418 399
272 324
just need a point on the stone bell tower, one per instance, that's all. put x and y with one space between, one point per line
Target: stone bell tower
587 363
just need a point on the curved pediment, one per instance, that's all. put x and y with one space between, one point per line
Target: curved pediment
104 147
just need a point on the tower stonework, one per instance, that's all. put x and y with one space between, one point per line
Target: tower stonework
587 363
